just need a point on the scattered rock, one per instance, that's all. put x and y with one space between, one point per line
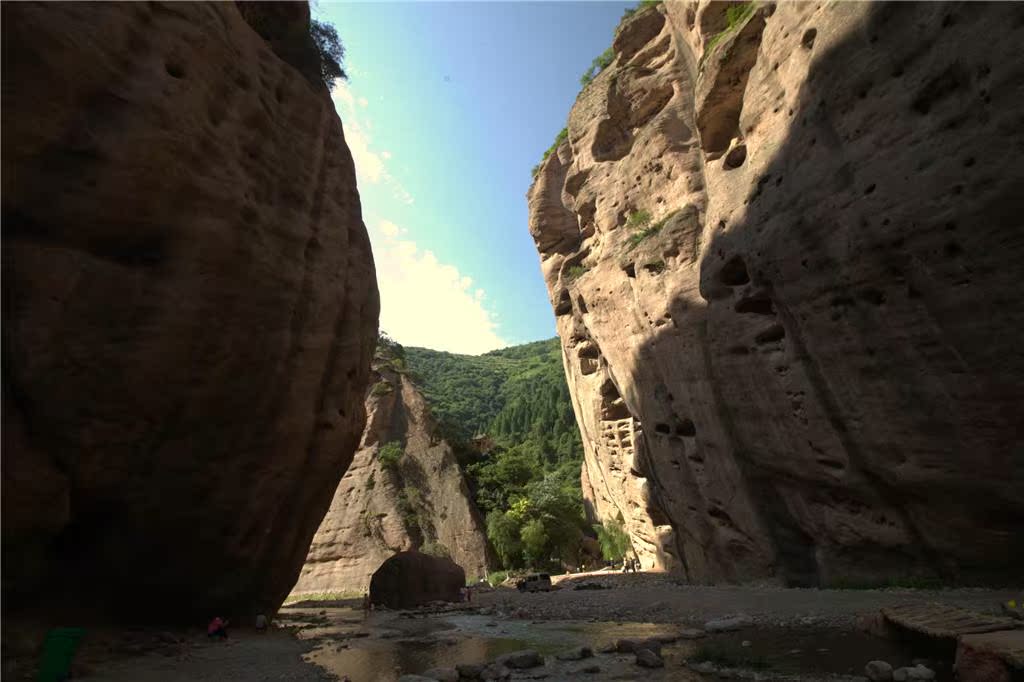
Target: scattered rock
648 659
469 671
495 671
878 671
918 672
687 633
521 660
591 669
631 646
728 624
443 674
706 667
415 678
576 654
609 648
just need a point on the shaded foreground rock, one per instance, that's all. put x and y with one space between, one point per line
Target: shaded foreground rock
410 579
189 307
804 216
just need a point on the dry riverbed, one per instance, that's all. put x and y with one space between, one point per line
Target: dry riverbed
770 633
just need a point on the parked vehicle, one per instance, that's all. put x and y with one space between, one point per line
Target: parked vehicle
536 582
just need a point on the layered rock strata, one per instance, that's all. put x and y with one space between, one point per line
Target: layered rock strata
189 312
782 244
404 491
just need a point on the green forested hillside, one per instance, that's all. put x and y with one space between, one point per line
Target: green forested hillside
528 481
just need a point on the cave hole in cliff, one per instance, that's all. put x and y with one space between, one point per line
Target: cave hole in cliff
757 304
734 272
630 270
175 70
735 158
686 428
774 333
662 429
564 306
808 39
582 305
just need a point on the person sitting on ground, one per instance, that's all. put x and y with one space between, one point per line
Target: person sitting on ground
218 627
366 604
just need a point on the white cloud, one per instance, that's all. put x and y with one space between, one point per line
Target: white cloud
370 165
425 302
363 102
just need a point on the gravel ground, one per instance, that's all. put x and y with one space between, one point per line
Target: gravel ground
656 598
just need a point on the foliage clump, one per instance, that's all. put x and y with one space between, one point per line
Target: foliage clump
562 136
331 51
613 539
390 455
574 272
735 15
600 63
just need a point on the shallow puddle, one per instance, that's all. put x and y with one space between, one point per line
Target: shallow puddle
388 645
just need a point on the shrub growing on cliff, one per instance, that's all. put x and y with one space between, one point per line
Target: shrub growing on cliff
331 51
436 548
735 15
390 455
562 136
600 63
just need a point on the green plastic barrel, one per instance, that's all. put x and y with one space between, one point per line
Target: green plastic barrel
58 651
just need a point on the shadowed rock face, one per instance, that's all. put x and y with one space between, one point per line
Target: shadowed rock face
411 579
805 364
189 307
381 509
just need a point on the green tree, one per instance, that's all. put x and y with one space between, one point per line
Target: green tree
536 542
503 532
613 539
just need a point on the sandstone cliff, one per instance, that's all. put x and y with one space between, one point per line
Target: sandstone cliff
782 243
189 306
413 497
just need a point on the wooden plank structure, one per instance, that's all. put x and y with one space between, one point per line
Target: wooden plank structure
940 620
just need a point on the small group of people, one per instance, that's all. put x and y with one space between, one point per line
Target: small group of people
218 627
630 565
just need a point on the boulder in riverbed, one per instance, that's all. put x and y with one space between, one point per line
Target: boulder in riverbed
410 579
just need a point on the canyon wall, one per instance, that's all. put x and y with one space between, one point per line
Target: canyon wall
783 244
189 308
414 500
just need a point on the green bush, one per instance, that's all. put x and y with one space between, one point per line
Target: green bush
613 539
435 548
735 15
562 136
635 239
575 272
390 455
331 51
382 387
496 578
638 219
600 63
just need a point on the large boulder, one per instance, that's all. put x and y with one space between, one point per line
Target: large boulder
189 307
411 579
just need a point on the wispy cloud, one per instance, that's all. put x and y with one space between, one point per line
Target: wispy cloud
425 302
371 166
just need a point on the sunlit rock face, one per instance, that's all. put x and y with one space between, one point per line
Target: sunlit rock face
189 308
783 246
381 507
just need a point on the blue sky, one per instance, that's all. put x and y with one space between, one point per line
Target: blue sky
448 107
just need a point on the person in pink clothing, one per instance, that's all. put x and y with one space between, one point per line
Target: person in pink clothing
218 627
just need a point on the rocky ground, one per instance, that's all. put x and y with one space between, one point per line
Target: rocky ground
752 632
